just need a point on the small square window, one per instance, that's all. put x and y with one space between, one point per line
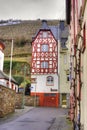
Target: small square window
44 48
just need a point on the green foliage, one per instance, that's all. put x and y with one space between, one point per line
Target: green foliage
19 79
7 66
15 65
18 70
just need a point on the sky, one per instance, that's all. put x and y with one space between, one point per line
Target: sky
32 9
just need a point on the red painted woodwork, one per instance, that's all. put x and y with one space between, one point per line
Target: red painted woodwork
39 56
47 99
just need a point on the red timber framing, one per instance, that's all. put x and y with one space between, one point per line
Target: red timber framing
44 53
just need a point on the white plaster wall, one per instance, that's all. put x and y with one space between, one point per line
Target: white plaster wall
3 82
1 60
40 85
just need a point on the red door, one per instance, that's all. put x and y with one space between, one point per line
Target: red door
50 100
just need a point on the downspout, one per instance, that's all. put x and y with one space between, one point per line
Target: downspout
79 96
58 72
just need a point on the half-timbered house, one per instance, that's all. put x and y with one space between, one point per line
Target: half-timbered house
44 68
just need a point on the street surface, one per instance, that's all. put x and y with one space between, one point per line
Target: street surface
38 119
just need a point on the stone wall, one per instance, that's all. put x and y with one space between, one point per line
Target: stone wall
19 100
31 101
7 101
22 100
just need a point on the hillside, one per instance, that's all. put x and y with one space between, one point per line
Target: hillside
21 32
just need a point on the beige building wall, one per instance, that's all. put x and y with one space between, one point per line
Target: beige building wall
84 78
83 75
64 77
64 72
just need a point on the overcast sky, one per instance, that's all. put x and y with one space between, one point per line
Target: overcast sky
32 9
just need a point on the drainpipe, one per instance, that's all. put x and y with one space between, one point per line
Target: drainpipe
79 98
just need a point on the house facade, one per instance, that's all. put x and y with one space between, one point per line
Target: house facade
4 78
77 19
44 71
64 65
48 71
4 81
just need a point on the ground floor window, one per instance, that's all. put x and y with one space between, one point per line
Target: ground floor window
50 80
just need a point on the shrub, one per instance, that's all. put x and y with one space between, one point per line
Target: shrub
19 79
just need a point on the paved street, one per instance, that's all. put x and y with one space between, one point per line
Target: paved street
37 119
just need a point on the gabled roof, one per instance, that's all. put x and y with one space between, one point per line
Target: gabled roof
65 33
53 29
5 76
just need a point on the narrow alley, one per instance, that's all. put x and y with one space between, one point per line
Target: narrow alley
37 119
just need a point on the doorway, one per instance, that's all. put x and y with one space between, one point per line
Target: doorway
64 100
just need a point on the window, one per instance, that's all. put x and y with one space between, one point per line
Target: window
68 77
50 80
65 59
44 48
44 64
44 34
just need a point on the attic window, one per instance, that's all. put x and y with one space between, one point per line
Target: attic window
45 34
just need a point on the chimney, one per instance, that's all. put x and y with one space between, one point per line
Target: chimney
44 24
62 24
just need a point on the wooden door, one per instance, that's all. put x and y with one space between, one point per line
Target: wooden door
50 99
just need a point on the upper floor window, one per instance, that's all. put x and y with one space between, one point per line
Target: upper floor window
68 77
44 64
44 48
50 80
65 59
